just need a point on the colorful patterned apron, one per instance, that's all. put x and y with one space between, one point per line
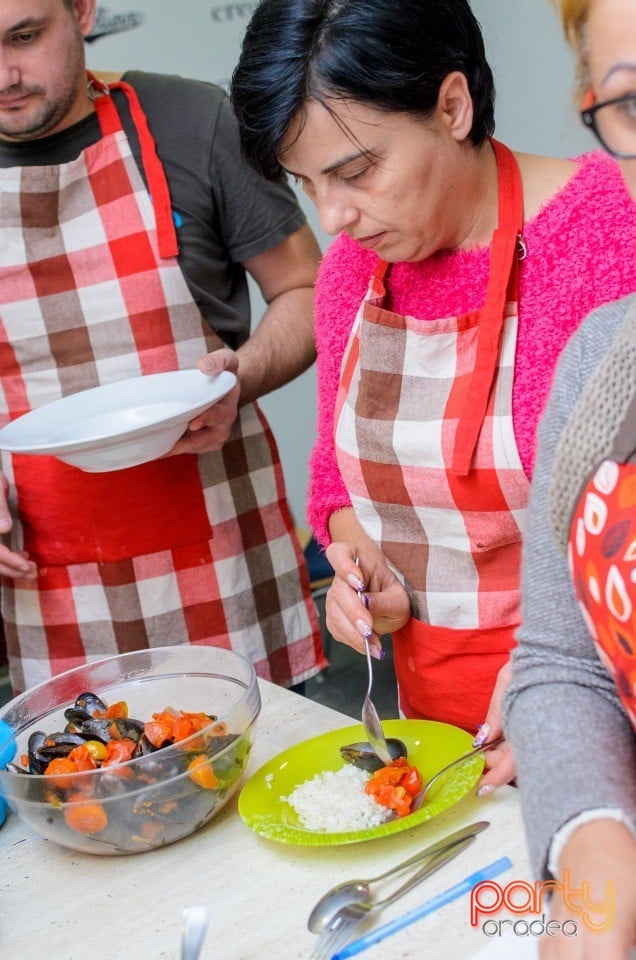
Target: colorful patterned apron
182 550
426 447
602 559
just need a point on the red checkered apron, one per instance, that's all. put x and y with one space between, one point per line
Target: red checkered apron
602 558
182 550
426 446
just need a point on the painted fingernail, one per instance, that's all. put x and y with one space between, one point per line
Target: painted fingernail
366 601
378 654
485 790
355 582
483 732
364 628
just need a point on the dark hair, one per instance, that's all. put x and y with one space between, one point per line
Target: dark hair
389 54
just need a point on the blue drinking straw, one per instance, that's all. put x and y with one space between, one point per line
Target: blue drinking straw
429 906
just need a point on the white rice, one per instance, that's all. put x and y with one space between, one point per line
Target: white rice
336 802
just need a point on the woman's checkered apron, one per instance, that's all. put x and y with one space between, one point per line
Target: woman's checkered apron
426 446
182 550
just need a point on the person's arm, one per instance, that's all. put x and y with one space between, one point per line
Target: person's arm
282 346
574 746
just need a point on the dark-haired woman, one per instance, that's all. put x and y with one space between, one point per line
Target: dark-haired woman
459 271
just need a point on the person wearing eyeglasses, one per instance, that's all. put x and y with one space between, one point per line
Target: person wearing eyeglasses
459 270
570 711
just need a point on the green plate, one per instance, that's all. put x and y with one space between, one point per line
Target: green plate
430 747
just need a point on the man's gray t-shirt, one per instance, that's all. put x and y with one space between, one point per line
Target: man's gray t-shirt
225 212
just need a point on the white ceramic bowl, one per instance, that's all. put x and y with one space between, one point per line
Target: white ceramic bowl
119 424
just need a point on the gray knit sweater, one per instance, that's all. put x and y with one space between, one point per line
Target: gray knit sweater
575 748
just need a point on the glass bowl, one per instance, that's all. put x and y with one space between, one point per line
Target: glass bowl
152 799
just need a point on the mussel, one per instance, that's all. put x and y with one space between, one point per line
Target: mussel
363 755
91 704
42 748
101 728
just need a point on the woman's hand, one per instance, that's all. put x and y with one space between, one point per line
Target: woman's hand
602 855
500 764
383 606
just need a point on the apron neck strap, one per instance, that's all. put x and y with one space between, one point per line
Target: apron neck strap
110 123
503 284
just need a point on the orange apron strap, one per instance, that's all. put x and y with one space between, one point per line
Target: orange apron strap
110 122
502 285
381 268
375 293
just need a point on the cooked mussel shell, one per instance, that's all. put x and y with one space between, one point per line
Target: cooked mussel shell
144 747
364 756
128 729
101 728
42 748
160 767
91 728
76 717
90 704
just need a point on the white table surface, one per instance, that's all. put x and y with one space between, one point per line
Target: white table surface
62 905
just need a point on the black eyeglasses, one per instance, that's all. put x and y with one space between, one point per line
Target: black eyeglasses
613 122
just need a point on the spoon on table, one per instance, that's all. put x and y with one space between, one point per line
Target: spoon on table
194 925
360 891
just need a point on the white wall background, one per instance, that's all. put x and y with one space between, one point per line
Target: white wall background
535 113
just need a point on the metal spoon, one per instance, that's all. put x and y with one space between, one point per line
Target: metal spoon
194 925
419 799
370 718
359 891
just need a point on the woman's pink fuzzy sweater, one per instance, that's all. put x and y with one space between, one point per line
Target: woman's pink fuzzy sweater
581 254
